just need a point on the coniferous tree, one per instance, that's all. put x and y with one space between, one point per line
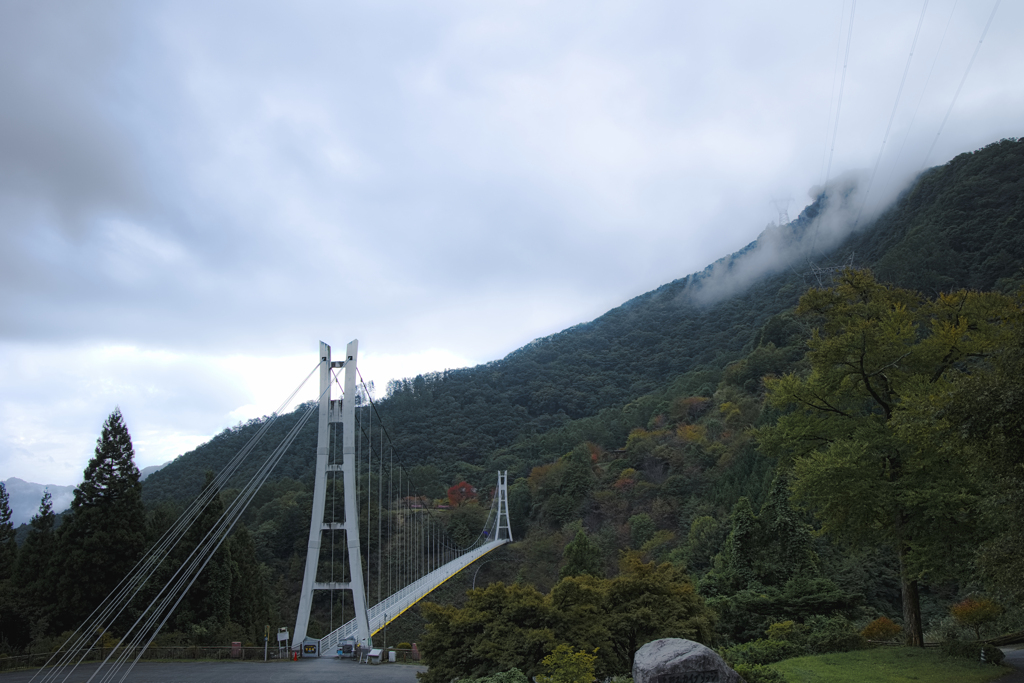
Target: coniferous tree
104 534
790 551
582 556
35 570
8 546
248 591
736 566
207 605
11 622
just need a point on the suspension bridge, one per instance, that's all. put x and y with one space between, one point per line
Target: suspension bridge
437 559
373 538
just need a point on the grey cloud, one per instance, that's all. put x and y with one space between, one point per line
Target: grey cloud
255 176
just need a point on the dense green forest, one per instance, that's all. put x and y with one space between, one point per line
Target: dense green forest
655 435
961 220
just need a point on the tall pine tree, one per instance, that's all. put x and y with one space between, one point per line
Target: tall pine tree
35 571
104 532
8 546
582 556
248 588
11 617
207 605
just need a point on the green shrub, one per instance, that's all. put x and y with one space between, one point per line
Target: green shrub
787 631
513 675
882 628
832 634
403 646
962 650
762 652
756 673
566 665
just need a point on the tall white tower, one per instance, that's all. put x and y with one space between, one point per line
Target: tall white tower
342 411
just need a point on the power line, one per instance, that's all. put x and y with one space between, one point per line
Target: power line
835 132
920 99
963 80
831 96
892 116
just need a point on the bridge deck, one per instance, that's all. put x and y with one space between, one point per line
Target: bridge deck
389 609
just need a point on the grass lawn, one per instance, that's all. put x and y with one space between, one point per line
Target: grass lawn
887 665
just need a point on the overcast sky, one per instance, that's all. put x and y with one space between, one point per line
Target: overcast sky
193 194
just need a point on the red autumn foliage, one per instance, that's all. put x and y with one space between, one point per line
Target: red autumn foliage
460 493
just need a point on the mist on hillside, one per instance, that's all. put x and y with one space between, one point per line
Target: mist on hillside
802 245
24 498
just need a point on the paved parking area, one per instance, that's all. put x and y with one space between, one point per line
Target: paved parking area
319 670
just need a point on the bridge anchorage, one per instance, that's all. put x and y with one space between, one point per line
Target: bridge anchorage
410 554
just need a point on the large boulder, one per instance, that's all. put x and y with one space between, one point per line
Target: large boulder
674 660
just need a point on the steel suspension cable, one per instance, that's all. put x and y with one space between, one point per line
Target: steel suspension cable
200 557
373 407
78 645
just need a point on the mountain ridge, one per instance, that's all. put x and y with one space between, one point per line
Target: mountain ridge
459 419
24 498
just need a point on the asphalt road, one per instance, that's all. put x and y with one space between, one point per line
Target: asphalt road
1015 658
319 670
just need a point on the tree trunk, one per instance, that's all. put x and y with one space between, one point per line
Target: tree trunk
911 605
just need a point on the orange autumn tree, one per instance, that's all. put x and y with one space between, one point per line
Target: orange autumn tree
460 493
976 613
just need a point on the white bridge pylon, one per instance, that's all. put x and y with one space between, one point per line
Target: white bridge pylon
369 621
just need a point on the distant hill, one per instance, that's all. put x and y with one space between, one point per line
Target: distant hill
25 497
146 471
957 225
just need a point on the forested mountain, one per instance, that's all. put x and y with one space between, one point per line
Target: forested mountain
959 225
638 430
